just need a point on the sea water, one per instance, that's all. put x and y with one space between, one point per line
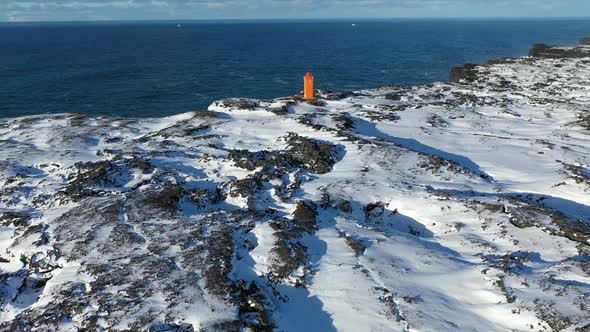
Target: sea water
152 69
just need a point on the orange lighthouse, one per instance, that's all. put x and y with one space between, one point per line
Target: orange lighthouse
308 92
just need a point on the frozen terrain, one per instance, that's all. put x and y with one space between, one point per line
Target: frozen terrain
449 207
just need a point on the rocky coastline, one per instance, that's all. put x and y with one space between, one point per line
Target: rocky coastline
461 205
582 50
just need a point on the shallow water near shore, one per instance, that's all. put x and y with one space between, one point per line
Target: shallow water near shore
153 69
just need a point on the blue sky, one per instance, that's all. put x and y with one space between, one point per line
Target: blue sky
83 10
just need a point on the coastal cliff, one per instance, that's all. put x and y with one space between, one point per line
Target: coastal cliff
451 206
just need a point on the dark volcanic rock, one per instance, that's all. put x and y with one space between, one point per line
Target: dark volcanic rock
219 261
166 197
305 215
343 122
140 164
545 51
343 95
282 110
502 61
318 156
16 219
316 102
584 121
91 178
286 257
288 252
158 201
467 73
253 313
252 160
239 103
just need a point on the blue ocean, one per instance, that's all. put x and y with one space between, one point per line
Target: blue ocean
152 69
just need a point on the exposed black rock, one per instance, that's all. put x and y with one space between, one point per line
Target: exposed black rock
16 219
345 206
342 95
51 316
503 61
253 305
584 120
316 102
282 110
138 163
466 73
575 230
375 209
356 245
238 103
246 187
204 198
305 216
220 247
545 51
91 178
394 96
437 121
288 253
344 122
156 201
318 156
165 197
286 256
436 164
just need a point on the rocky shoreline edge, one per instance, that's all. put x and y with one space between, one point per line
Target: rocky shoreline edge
582 50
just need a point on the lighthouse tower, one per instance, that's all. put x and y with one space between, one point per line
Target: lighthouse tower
308 92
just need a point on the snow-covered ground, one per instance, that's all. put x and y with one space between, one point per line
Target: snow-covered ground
448 207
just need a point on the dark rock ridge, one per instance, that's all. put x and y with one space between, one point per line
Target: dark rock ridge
468 72
559 52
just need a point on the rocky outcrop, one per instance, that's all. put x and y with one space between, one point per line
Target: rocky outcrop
559 52
467 73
